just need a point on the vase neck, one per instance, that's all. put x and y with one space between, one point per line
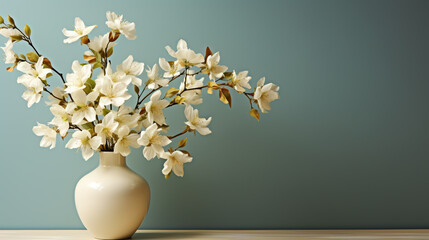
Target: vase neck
112 159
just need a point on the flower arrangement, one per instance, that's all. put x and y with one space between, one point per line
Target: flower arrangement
91 101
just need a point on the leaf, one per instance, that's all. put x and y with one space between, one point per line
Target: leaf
254 113
10 69
185 152
1 20
208 53
213 85
112 37
22 56
27 30
225 96
47 62
90 59
97 55
11 21
16 37
97 65
182 142
90 83
168 175
136 89
171 150
49 75
171 92
227 75
84 40
105 111
32 57
87 125
109 52
179 99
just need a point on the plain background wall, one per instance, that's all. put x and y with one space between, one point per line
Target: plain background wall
346 146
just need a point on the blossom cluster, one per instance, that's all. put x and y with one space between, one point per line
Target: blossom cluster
91 101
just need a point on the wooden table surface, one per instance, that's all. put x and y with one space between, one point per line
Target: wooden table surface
225 234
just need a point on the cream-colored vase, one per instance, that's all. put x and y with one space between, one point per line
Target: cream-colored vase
112 200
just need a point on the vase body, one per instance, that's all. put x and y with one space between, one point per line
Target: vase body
112 200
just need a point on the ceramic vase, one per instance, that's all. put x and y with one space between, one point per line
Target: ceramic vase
112 200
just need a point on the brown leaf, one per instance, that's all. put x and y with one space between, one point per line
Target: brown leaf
208 53
168 175
47 62
171 150
182 142
90 59
254 113
112 37
10 69
84 40
225 96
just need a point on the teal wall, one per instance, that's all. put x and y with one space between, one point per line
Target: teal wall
346 146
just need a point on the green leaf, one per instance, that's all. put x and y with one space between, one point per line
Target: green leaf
168 175
1 20
97 55
16 37
109 52
97 65
105 111
27 30
87 126
32 57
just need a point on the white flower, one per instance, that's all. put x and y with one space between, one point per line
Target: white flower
87 143
107 127
126 116
113 93
155 81
131 70
33 75
196 123
153 142
33 93
79 109
115 77
116 23
154 108
185 56
7 32
192 96
175 162
10 55
240 81
125 140
61 119
57 92
49 135
212 68
77 79
80 30
264 94
99 43
171 68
